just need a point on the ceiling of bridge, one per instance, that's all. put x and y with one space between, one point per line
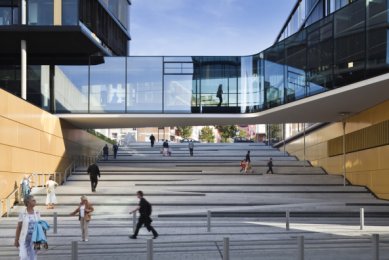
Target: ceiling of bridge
331 106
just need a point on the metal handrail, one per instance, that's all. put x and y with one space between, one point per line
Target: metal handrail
8 202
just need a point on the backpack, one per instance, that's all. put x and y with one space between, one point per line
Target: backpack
148 209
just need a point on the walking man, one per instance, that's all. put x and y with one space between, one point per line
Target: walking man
191 146
270 166
94 172
105 152
115 149
144 209
152 140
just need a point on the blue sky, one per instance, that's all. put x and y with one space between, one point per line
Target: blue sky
205 27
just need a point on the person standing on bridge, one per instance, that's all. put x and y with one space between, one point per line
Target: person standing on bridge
152 140
94 172
105 152
270 166
219 94
191 146
145 210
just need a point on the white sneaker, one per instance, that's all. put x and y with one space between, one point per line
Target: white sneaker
86 240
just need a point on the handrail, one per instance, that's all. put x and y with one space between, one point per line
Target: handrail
308 130
8 202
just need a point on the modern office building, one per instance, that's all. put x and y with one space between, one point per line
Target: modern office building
329 63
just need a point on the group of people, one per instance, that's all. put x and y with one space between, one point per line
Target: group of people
166 149
26 231
245 165
115 149
29 218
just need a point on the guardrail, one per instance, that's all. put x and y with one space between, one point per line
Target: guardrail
40 179
296 246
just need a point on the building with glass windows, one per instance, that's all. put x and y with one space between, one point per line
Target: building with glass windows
329 63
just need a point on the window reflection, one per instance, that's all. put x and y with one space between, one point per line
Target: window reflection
107 86
144 84
40 12
71 89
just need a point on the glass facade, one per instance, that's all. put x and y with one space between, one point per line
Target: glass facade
347 46
307 12
344 47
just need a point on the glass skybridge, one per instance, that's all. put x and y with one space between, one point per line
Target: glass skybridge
347 46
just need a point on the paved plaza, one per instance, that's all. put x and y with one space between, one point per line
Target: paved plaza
249 209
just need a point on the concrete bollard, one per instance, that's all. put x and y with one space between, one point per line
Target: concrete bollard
55 216
287 220
300 248
150 253
133 222
226 248
376 246
74 250
361 218
209 215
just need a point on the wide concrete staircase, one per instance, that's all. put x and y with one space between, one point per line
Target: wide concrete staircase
250 208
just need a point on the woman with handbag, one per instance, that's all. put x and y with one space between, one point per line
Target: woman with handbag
84 211
25 228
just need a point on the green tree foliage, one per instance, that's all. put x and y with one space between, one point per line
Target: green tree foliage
206 134
227 132
184 131
275 131
242 133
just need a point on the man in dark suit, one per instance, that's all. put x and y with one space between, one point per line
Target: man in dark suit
94 172
144 209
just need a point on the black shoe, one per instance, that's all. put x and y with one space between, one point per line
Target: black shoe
133 237
155 236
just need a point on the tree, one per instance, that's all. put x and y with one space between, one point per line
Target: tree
227 132
207 135
242 133
184 131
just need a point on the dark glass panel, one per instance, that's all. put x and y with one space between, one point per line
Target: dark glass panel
319 70
274 75
349 36
296 59
377 37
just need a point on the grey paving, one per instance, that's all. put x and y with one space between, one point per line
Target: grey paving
247 208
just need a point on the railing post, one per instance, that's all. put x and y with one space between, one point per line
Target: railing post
149 249
226 248
361 218
55 217
287 220
133 222
209 215
376 246
74 250
300 248
8 206
35 180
